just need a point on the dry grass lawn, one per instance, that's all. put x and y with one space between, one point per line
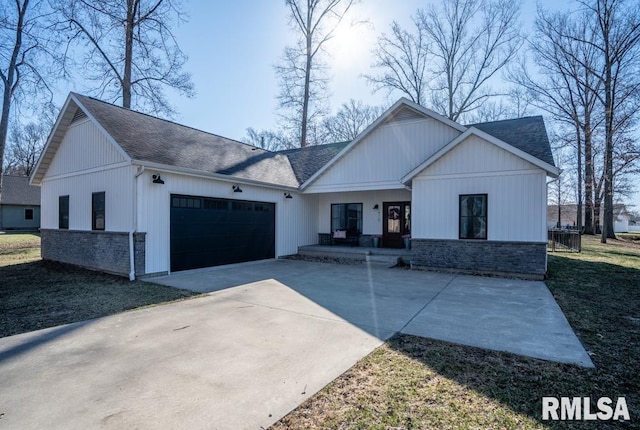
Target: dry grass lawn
417 383
35 294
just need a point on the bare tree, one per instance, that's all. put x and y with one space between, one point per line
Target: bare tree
23 56
352 118
25 145
129 50
456 50
402 57
302 73
566 87
616 40
267 139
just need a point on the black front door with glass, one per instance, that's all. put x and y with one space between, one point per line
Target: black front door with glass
396 223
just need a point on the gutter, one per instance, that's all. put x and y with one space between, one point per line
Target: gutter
132 257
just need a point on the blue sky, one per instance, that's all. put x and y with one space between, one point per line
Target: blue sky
233 45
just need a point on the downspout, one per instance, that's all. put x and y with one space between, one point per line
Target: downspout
132 259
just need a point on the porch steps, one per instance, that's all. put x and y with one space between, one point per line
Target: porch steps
374 255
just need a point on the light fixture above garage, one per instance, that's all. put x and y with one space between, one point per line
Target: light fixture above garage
376 207
288 196
157 179
236 189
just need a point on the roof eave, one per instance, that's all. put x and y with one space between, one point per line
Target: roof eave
55 138
210 175
57 135
552 171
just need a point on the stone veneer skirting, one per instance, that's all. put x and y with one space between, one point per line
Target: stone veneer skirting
526 259
100 250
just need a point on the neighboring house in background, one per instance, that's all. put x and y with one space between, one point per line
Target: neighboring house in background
568 217
19 204
129 193
621 218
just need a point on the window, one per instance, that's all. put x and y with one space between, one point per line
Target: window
63 212
473 216
28 214
347 216
186 202
97 211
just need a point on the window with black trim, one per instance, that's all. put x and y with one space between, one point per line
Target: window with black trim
97 211
63 212
28 214
473 216
347 216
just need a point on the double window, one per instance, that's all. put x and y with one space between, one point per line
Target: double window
473 216
347 216
97 211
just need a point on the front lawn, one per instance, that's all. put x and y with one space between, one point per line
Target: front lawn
18 247
36 294
417 383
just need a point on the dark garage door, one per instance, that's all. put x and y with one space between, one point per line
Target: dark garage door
210 232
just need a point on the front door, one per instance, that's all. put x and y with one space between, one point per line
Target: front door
396 223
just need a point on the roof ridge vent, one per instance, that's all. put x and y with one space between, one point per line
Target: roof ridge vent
404 114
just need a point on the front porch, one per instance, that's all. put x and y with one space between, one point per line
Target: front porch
364 253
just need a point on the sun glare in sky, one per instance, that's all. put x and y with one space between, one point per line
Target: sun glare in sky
351 45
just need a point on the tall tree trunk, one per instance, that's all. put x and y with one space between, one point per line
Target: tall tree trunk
607 225
132 10
588 175
597 205
305 100
579 206
4 124
307 80
10 82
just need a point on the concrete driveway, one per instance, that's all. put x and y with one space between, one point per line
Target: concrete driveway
269 336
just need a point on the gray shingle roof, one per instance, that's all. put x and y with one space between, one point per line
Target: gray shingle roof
17 191
150 139
307 161
527 134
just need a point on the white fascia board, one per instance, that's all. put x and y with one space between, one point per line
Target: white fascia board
52 137
551 170
381 119
207 175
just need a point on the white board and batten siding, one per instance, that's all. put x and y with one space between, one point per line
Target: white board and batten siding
87 162
296 218
384 156
516 193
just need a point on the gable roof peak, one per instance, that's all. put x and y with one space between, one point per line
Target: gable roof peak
150 141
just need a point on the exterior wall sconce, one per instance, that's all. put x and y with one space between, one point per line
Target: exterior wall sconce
236 189
376 207
157 179
288 196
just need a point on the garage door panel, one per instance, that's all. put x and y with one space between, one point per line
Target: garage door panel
209 232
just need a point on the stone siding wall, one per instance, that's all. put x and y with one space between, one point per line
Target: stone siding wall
481 256
99 250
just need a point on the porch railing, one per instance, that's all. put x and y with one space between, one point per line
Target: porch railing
564 240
